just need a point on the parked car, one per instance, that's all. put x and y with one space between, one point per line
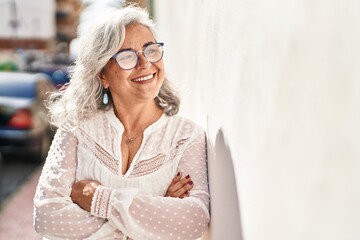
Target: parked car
24 126
1 175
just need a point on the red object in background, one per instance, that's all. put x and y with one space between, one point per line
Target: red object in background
21 119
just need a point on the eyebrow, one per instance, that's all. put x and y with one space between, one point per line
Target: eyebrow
144 46
147 44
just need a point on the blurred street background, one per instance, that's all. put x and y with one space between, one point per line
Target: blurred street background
37 48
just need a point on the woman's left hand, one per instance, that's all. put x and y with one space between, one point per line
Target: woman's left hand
82 193
180 187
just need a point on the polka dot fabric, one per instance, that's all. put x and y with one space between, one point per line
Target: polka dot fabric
125 206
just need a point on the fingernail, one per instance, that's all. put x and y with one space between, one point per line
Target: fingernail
178 174
191 182
187 193
187 176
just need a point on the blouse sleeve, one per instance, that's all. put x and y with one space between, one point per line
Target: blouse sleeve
55 215
147 217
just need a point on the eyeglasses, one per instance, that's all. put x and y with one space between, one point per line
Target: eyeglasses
128 59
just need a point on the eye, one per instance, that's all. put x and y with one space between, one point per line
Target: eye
152 49
125 56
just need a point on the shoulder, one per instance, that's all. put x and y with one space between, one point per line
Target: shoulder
183 127
91 124
185 122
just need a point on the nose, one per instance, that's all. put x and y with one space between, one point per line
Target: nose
142 61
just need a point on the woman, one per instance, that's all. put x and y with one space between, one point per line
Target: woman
122 165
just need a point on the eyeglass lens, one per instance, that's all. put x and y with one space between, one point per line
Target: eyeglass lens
128 59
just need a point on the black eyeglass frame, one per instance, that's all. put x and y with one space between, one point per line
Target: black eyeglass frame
137 54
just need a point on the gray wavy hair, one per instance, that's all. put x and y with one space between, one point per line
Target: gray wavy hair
81 98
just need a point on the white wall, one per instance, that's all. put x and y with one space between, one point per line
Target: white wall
36 18
277 86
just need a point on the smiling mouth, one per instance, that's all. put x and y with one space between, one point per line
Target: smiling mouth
144 78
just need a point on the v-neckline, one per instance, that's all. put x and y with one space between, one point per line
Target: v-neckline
116 123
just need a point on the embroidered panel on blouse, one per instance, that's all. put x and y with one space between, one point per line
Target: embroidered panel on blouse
143 167
151 161
153 164
98 152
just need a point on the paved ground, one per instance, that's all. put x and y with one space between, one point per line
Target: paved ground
17 212
14 171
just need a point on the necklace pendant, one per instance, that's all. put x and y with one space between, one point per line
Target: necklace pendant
129 140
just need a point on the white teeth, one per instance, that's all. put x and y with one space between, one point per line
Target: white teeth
143 78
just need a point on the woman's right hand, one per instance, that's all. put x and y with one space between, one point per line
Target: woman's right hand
180 187
82 193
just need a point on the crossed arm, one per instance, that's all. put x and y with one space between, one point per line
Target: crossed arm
63 209
82 192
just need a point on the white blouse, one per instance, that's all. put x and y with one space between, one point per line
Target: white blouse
129 206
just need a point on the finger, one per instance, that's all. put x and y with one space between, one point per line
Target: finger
186 188
179 192
83 187
182 182
176 178
175 187
93 182
185 194
173 182
186 179
86 181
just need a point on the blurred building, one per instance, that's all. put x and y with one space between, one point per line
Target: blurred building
37 30
141 3
26 25
67 19
39 24
44 30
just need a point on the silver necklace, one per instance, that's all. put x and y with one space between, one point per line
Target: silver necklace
129 139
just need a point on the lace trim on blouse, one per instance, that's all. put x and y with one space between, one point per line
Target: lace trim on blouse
142 168
98 152
100 201
153 164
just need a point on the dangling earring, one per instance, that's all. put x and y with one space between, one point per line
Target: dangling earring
106 97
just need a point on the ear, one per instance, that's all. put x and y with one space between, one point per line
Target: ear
102 78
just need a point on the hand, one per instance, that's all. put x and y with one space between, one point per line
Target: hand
180 187
82 193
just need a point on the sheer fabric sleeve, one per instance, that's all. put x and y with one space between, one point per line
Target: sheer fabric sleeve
146 217
55 215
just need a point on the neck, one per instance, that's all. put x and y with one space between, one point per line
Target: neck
136 118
